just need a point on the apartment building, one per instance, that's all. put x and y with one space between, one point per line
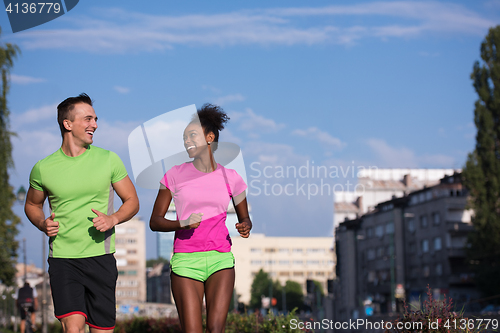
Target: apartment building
283 258
130 243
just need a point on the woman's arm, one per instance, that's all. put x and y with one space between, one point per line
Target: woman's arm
158 222
244 224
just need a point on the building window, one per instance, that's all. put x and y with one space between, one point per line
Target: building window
426 271
255 250
132 273
284 274
298 273
439 269
425 246
121 262
297 250
284 262
369 232
284 250
436 219
372 275
380 252
437 243
298 262
313 262
270 250
379 231
411 225
256 262
423 221
389 228
370 254
131 251
412 248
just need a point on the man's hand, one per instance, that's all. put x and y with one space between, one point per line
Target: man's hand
49 226
192 222
103 222
244 229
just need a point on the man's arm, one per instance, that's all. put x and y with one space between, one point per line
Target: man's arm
33 207
130 206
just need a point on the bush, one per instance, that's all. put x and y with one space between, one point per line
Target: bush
235 323
435 316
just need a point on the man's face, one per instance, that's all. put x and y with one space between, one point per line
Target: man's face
84 123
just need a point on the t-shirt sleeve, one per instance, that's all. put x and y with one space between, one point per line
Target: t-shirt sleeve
168 180
118 171
237 183
36 177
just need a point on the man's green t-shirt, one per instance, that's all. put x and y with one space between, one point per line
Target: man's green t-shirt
74 186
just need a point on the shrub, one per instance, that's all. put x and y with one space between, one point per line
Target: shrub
435 316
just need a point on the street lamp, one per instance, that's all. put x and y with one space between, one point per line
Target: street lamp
21 194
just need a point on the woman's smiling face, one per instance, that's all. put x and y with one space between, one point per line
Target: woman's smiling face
194 140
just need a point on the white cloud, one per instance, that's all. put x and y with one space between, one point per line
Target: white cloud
402 157
34 115
253 123
122 90
224 100
119 31
315 134
22 79
392 157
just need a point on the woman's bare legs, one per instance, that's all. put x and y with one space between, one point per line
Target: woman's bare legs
218 291
188 295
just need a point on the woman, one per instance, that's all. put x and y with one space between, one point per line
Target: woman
202 263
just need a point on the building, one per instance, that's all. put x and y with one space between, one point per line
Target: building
393 252
130 243
379 185
158 284
283 258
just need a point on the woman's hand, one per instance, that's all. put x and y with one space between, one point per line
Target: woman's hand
244 228
192 222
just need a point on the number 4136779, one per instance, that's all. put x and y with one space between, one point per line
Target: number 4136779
34 7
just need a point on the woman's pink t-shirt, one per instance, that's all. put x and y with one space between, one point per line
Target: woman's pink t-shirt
194 191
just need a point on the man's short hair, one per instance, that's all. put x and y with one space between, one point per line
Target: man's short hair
65 107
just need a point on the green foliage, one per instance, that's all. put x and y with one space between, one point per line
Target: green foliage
294 295
261 286
482 171
435 316
235 323
142 324
8 220
154 262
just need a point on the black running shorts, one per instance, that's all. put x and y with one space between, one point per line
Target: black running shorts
85 286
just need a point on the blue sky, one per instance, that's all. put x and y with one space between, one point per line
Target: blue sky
324 83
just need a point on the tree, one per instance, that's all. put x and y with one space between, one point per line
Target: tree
260 286
294 295
481 174
8 220
153 262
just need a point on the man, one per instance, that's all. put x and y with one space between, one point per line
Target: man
79 180
26 298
